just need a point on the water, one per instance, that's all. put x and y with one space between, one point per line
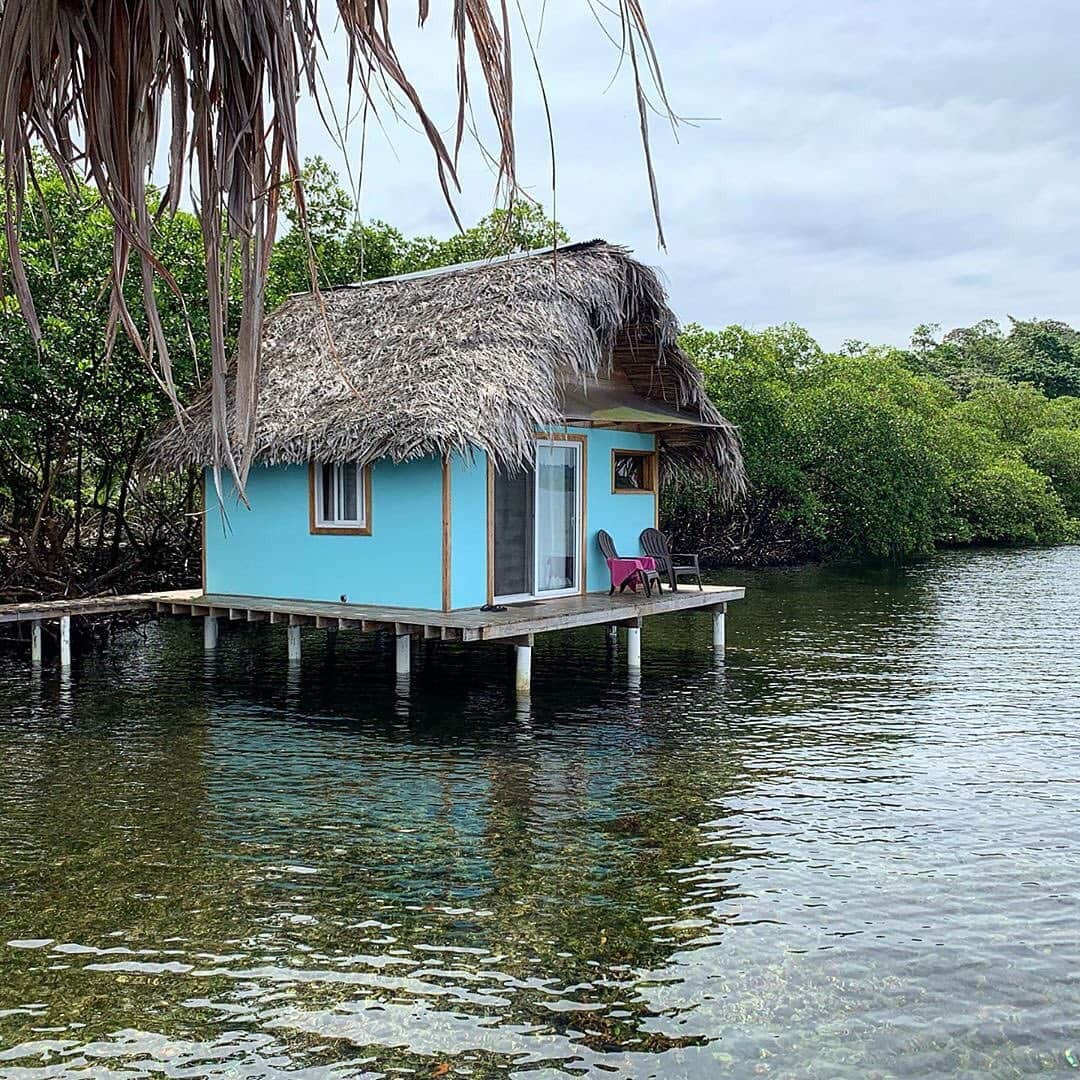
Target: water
855 852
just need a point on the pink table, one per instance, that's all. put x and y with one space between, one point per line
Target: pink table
630 571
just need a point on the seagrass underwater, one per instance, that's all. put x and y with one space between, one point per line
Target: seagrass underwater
852 851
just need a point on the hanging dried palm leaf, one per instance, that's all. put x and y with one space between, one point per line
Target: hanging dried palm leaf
92 80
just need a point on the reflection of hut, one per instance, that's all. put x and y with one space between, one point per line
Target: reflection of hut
446 439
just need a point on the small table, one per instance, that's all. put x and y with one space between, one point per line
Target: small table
634 571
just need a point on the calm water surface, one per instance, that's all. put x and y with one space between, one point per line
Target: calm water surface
855 852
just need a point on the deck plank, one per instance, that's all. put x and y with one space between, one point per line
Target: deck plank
468 624
93 605
535 617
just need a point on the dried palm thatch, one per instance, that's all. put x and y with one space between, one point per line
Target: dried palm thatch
477 357
92 81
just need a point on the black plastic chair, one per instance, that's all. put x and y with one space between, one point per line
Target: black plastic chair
607 545
654 543
646 577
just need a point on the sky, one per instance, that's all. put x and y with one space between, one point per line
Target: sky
855 167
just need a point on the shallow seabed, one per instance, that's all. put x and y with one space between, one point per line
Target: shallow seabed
854 852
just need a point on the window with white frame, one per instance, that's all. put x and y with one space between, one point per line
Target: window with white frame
341 496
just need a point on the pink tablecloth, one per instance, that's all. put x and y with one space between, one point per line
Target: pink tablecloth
623 570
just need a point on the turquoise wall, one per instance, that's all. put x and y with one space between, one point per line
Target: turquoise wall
270 551
624 516
468 531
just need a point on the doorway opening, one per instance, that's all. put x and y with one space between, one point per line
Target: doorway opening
537 517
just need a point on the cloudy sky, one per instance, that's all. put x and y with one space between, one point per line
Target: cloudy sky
859 167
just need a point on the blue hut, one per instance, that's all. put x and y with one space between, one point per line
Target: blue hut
456 438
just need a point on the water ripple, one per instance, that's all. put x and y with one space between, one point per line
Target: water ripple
854 851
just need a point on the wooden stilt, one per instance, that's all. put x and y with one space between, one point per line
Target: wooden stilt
523 680
35 643
719 638
294 644
210 632
612 636
65 641
403 654
633 647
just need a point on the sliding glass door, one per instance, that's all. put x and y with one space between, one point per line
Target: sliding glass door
558 517
512 528
537 524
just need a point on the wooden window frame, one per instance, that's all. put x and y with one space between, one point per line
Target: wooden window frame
313 504
650 472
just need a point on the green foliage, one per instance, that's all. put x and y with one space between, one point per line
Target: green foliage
75 417
749 377
972 436
1064 412
1008 411
1046 354
871 464
1042 352
960 355
881 453
1007 500
346 249
1055 452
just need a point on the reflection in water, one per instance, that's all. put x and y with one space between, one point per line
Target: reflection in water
850 851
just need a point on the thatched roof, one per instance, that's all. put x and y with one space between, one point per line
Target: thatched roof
475 357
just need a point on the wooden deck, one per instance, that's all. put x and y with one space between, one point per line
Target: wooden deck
38 610
466 624
517 625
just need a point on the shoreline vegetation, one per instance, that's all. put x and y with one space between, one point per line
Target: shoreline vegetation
964 438
870 453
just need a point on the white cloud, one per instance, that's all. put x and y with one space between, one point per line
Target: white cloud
870 166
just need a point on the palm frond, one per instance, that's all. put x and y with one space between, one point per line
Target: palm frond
92 80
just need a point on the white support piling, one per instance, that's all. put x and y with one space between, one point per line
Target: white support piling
210 632
65 641
719 630
403 654
633 647
402 696
35 643
523 677
294 644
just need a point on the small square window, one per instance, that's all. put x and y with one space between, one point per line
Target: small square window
341 497
633 471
